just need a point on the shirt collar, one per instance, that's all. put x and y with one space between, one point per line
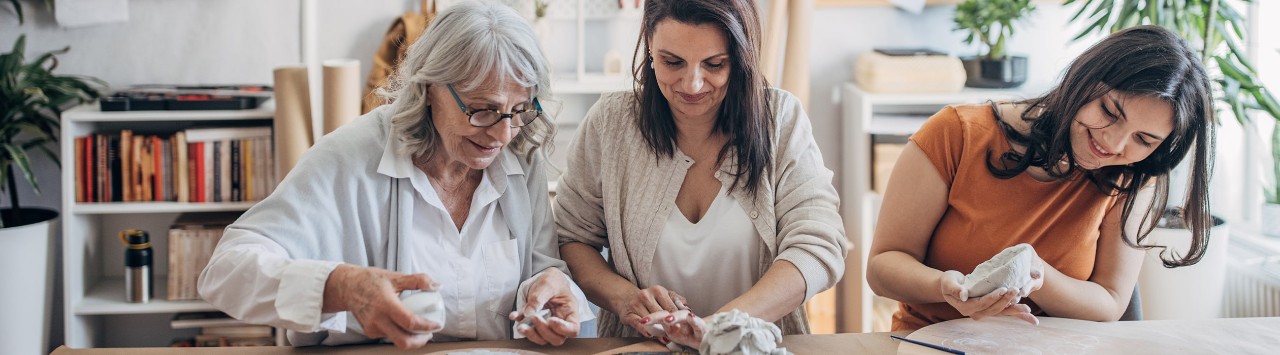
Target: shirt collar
397 163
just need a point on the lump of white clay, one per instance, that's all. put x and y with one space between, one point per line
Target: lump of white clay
528 317
428 304
1010 269
736 332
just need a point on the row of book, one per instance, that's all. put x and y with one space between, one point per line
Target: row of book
192 239
225 164
219 330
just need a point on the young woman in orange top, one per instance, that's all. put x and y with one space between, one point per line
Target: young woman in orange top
1062 172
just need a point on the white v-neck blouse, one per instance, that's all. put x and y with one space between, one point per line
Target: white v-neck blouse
710 262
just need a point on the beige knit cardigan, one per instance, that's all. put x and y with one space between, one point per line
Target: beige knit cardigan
615 192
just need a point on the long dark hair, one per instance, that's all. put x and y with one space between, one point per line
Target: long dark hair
1147 61
745 115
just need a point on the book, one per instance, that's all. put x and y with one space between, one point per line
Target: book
126 165
79 147
192 320
182 186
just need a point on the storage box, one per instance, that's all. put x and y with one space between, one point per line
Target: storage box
878 72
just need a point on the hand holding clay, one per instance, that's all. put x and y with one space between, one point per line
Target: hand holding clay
637 308
428 304
1016 268
549 315
996 286
371 294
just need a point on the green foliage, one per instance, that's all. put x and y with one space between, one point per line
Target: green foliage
1217 30
990 22
31 100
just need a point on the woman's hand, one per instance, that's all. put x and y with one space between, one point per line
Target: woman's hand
634 309
1001 302
372 295
681 327
553 292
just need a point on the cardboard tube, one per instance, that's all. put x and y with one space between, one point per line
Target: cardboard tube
795 72
341 92
773 41
293 117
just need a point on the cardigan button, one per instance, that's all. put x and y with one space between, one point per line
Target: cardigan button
754 214
717 174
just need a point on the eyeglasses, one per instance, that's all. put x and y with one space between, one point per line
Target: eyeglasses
487 118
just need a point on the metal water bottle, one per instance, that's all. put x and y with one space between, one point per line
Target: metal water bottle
138 280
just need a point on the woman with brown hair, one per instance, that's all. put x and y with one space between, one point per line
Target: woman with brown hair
1081 174
705 183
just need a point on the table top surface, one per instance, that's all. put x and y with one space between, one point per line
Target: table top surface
858 343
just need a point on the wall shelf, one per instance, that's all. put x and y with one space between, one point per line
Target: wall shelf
107 297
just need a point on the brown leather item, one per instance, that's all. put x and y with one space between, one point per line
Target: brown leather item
395 44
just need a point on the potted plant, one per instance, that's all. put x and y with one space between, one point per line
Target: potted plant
31 100
991 23
1215 29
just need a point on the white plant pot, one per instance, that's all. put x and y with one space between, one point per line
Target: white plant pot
1189 292
1270 220
26 277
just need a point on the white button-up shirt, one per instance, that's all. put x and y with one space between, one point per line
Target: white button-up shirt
476 266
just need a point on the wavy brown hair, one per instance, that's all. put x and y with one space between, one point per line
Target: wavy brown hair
1146 61
745 116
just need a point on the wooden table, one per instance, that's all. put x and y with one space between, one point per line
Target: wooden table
855 343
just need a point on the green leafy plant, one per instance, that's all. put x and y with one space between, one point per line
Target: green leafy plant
1217 30
31 101
990 22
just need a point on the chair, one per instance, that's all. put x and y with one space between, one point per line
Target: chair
1134 312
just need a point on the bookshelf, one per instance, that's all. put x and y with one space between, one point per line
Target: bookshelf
96 314
865 115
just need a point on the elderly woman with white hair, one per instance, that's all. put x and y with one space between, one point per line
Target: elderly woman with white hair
442 189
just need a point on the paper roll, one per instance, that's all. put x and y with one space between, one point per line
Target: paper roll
341 92
795 71
293 117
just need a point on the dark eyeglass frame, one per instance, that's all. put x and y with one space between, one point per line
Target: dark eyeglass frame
511 122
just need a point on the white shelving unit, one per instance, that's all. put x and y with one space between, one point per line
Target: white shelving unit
866 114
96 314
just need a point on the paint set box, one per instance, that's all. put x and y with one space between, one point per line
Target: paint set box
169 97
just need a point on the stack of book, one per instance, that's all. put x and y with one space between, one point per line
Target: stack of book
192 239
218 330
224 164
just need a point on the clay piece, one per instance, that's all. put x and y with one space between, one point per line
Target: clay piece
1011 269
736 332
428 304
528 317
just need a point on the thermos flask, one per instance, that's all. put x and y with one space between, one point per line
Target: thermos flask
138 280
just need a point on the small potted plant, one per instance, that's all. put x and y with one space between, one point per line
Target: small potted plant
991 22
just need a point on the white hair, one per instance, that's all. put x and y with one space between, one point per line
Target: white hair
471 44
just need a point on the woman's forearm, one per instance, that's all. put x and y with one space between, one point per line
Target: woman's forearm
779 292
899 276
598 281
1066 297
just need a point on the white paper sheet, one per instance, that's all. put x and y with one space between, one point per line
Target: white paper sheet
80 13
1004 335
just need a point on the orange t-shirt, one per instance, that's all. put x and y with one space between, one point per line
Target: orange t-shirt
986 214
